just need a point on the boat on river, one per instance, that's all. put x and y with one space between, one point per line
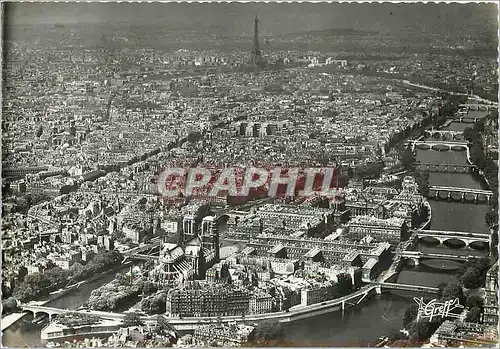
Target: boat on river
57 291
381 342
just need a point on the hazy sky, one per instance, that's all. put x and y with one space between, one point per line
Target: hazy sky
275 18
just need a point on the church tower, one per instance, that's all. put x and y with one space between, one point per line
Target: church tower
188 228
210 235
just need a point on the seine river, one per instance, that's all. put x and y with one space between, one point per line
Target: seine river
378 316
26 334
364 324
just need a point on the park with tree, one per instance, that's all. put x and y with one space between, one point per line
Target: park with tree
9 305
472 274
77 319
117 294
132 319
420 330
407 158
369 171
344 284
38 285
269 333
154 303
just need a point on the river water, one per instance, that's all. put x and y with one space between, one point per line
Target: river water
457 126
447 215
364 324
24 333
381 315
441 157
357 327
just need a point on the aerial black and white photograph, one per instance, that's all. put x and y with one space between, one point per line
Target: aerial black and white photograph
249 174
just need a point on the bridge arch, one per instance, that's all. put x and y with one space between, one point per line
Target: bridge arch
442 194
423 146
29 312
481 198
441 147
458 148
479 245
429 240
469 197
37 312
455 243
448 193
436 135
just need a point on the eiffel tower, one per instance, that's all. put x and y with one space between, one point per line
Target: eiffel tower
257 59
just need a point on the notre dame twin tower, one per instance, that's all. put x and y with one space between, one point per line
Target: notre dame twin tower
206 236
